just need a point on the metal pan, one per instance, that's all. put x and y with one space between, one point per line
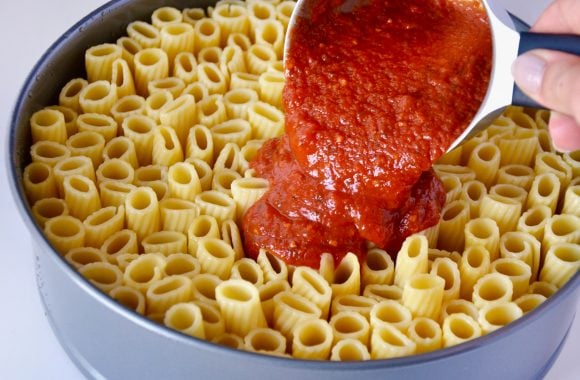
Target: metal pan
108 341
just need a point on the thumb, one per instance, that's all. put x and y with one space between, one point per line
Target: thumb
551 78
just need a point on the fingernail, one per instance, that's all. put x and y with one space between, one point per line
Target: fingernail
528 71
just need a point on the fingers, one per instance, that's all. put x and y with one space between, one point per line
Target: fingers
565 132
551 78
561 16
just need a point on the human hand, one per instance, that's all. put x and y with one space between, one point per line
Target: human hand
553 78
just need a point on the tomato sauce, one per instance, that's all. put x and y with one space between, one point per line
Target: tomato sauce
373 97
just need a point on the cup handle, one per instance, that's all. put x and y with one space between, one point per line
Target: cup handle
567 43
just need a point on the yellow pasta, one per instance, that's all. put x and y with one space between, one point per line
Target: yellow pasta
200 144
534 220
266 120
207 33
452 186
312 340
200 227
545 190
459 306
123 148
454 216
571 203
145 34
423 295
103 275
176 37
412 259
219 205
87 143
185 68
64 232
259 12
249 270
39 182
268 291
492 288
273 267
553 163
505 211
448 270
99 123
102 223
115 170
517 271
232 61
392 313
290 309
346 279
211 110
388 342
215 256
186 318
180 115
150 64
515 174
143 271
70 118
243 80
230 233
98 97
475 263
377 268
114 194
459 328
239 302
521 246
119 243
49 152
129 297
141 130
48 125
166 292
529 302
166 147
349 350
69 95
382 292
142 211
122 78
48 208
165 242
266 341
129 47
81 196
238 100
183 264
222 180
561 263
231 18
352 302
426 334
174 85
350 325
77 165
155 102
485 160
494 316
561 229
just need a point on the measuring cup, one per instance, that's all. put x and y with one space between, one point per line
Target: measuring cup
510 38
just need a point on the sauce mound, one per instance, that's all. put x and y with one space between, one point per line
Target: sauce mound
373 97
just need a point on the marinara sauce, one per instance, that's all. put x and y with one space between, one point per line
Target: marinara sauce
373 97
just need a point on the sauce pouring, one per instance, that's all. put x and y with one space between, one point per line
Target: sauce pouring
510 38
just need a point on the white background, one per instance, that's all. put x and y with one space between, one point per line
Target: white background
28 349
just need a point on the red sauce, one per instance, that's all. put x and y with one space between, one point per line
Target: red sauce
373 97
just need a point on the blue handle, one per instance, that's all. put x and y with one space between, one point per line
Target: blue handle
566 43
